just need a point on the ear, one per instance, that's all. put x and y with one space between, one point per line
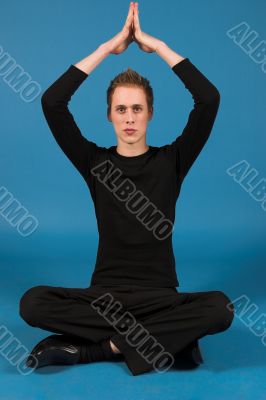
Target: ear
151 114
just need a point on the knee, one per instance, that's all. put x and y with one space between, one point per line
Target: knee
222 311
28 305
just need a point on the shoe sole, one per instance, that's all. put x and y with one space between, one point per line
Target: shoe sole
51 357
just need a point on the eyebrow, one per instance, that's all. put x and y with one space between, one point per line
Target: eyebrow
133 105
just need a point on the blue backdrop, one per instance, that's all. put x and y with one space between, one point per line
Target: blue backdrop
219 235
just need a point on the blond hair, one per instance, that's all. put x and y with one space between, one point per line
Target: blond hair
129 78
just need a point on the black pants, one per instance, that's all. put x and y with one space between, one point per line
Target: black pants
149 325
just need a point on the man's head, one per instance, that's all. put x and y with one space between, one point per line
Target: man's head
130 105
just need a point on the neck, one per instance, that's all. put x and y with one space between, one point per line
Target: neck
129 150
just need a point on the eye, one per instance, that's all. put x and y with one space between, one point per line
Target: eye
122 108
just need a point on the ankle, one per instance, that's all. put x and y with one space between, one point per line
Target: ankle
114 348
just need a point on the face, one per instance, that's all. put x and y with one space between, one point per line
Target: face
129 110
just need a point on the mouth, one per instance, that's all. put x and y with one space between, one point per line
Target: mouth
130 131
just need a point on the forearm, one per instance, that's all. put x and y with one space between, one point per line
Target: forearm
90 62
168 55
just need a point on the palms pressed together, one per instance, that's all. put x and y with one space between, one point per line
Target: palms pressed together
132 32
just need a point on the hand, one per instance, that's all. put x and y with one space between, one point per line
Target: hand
120 42
145 42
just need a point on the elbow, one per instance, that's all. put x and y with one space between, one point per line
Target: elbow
48 100
211 102
45 100
214 97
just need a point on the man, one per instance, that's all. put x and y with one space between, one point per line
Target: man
134 188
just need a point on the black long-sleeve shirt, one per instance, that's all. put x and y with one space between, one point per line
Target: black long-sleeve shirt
135 238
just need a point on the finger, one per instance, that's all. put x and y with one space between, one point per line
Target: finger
136 16
130 15
131 10
130 7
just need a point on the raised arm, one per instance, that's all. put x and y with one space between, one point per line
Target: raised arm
201 118
55 99
186 147
206 98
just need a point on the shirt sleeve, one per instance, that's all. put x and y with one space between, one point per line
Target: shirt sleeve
55 99
206 96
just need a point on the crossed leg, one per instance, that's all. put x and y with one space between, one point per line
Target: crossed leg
174 319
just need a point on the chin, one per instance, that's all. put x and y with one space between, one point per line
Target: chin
132 140
128 139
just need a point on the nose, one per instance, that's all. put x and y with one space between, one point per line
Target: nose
129 116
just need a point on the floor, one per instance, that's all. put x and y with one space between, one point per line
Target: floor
234 361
